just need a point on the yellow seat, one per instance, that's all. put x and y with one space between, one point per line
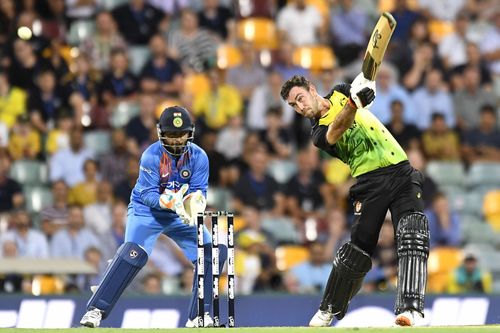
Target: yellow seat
288 256
165 103
228 56
196 83
491 209
390 5
47 284
261 32
440 29
442 262
314 58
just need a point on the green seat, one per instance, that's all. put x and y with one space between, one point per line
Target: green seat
475 230
484 175
218 198
122 114
37 198
282 170
79 31
111 4
28 172
473 203
137 58
98 141
446 173
282 229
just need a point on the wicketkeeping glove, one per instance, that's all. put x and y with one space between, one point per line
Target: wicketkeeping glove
362 91
174 201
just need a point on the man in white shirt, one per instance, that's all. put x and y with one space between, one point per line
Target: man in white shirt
300 23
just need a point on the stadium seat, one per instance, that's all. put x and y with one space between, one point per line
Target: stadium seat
474 230
282 170
218 198
28 172
79 31
196 83
446 173
260 31
46 285
98 141
37 197
111 4
282 229
439 29
491 209
228 56
473 203
122 113
442 261
288 256
137 58
484 175
314 58
165 103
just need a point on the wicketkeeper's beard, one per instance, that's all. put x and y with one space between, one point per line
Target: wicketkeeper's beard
177 149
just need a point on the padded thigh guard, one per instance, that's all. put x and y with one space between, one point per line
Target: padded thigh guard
128 261
412 239
349 268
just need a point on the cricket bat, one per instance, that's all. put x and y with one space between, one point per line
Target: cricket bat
377 45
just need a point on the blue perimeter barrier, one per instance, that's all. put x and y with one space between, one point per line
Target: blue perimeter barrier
255 310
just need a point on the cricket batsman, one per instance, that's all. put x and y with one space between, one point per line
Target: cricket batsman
344 128
169 193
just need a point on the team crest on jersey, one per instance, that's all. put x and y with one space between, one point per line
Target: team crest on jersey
185 173
177 122
357 207
133 254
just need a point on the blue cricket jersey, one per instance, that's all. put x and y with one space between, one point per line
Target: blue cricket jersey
159 171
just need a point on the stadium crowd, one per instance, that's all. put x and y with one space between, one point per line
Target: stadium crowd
83 82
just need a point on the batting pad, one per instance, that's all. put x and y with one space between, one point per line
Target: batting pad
412 239
128 261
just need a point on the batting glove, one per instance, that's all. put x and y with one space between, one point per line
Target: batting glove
362 91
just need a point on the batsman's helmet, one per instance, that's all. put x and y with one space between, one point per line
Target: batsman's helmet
175 121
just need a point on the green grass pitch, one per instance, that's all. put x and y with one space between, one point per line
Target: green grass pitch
448 329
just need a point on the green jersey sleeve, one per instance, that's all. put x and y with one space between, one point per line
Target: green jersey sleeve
366 146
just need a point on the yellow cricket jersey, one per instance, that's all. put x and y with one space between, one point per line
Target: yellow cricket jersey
366 146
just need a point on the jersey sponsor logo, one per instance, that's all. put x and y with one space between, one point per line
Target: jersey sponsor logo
185 173
357 207
145 169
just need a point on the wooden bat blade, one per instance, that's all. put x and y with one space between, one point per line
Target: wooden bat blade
377 45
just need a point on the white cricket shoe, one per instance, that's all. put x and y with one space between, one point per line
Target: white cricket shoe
207 321
92 318
406 318
321 319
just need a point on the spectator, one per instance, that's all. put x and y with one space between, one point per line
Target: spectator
217 19
406 134
93 256
11 283
312 27
118 83
230 139
58 137
55 216
405 18
170 7
348 27
24 141
483 142
111 240
467 102
444 224
433 98
284 64
218 171
80 10
123 189
312 274
452 48
263 98
163 68
276 137
440 142
137 21
8 16
68 164
152 284
429 186
216 106
75 239
490 44
113 163
423 61
388 90
12 102
85 193
193 47
11 194
469 278
256 189
25 65
98 46
98 215
139 128
249 75
29 242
